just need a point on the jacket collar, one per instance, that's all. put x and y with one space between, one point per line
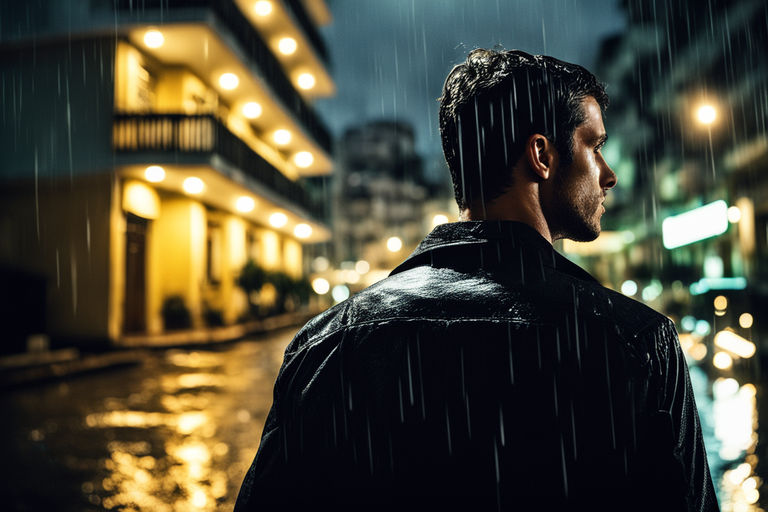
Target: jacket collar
455 235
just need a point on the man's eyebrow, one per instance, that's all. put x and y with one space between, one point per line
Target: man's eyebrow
600 139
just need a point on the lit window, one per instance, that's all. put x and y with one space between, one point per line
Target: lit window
287 45
278 220
263 8
303 159
193 185
306 81
281 137
228 81
153 39
154 174
252 110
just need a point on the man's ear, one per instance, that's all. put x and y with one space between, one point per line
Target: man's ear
541 155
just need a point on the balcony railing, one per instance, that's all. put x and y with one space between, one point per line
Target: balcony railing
203 135
252 43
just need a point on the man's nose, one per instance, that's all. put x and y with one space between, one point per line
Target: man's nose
609 178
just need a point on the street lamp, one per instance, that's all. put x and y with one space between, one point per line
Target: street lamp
706 114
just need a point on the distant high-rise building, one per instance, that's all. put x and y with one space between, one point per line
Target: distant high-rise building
383 204
150 148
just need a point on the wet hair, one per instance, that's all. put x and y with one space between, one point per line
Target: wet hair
494 101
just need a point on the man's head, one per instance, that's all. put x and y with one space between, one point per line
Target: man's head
502 108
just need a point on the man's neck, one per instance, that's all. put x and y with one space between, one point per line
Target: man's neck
515 205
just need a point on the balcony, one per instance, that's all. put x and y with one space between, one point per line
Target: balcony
227 14
204 136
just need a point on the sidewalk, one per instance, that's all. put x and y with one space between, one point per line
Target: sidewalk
46 365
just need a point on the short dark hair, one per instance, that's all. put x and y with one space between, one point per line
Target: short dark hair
494 101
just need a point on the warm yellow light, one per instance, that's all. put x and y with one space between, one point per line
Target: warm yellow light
229 81
303 159
281 137
263 8
722 361
302 230
732 342
321 286
362 267
721 302
306 81
734 214
439 219
706 114
698 351
252 110
245 204
153 38
394 244
193 185
141 199
278 219
751 496
287 45
154 174
745 320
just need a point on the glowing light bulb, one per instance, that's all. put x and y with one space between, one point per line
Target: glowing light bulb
193 185
154 174
245 204
278 220
154 38
303 159
263 8
302 230
252 110
287 46
229 81
281 137
306 81
706 114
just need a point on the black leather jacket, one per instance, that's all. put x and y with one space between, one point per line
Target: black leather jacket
487 372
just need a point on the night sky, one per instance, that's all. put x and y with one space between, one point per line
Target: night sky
390 57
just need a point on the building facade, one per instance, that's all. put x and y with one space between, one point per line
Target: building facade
151 148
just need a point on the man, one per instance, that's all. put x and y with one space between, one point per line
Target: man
488 372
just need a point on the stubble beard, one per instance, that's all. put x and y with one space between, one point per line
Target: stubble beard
576 209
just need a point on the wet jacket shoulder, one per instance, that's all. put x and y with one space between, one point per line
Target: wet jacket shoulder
486 371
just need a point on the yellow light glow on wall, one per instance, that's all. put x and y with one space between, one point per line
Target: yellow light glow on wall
252 110
735 344
303 159
281 137
141 199
302 230
306 81
278 220
287 45
245 204
154 174
394 244
263 8
193 185
229 81
154 38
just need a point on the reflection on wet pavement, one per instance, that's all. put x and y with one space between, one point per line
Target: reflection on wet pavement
176 434
179 432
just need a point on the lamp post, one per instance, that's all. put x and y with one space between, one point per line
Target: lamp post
706 114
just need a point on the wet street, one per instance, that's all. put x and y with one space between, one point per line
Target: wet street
176 433
179 431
